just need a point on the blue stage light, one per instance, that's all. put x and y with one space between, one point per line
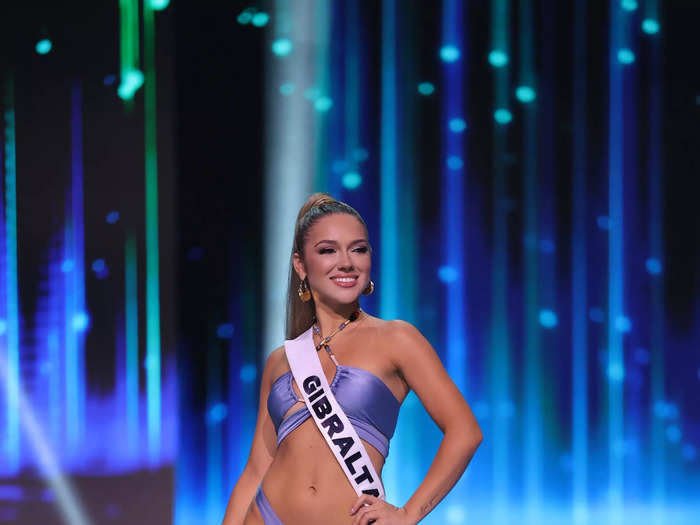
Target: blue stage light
287 88
629 5
603 222
248 373
673 433
352 180
454 162
447 274
159 5
360 155
426 88
596 315
498 58
457 125
80 322
548 318
108 80
43 46
653 266
525 94
67 265
282 47
623 324
3 327
547 246
502 116
689 452
260 19
650 26
112 217
616 372
641 356
224 331
449 53
323 103
98 265
217 413
625 56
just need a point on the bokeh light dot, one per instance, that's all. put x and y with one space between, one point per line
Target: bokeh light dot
217 413
224 331
260 19
282 47
426 88
112 217
360 154
629 5
287 88
498 58
67 266
502 116
623 324
625 56
352 180
246 17
159 5
80 321
449 53
98 265
650 26
525 94
454 162
323 103
653 266
248 373
447 274
548 318
673 433
43 46
457 125
616 372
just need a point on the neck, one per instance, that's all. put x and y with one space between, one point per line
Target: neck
330 317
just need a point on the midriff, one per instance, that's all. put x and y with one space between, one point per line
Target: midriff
304 483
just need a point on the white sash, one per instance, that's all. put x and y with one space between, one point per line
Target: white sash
334 425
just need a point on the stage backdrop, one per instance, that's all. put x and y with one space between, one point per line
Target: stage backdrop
527 173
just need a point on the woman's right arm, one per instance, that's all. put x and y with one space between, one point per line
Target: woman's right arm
261 453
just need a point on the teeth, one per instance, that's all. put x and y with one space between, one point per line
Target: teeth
345 279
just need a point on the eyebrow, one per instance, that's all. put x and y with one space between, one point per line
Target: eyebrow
335 242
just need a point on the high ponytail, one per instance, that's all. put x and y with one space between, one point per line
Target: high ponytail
300 315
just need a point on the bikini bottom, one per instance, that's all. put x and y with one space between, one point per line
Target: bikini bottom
266 510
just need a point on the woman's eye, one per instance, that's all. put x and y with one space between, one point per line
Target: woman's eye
362 250
326 250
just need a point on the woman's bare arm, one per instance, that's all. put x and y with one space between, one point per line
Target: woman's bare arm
423 371
261 453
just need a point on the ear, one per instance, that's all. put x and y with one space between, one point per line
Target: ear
299 266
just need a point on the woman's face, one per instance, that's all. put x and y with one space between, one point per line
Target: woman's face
337 259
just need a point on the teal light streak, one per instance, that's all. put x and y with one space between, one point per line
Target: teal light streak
12 379
499 362
656 246
532 400
615 365
153 358
132 342
43 46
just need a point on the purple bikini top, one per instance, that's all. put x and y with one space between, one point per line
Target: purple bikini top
369 404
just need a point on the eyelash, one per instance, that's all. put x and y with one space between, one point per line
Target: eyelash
328 250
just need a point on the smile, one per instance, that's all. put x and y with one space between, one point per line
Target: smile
345 282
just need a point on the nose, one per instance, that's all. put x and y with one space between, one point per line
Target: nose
345 262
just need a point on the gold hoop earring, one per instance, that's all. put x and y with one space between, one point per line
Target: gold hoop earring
369 289
304 292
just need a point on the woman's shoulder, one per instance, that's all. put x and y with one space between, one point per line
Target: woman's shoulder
395 328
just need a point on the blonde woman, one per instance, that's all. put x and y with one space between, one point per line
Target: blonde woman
306 461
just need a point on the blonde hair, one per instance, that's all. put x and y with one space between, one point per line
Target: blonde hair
300 315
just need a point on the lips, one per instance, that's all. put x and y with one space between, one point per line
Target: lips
345 281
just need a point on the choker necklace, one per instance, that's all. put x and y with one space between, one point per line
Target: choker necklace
325 340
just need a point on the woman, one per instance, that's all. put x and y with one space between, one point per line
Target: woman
293 474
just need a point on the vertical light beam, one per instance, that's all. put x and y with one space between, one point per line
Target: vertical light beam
11 434
131 316
153 357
